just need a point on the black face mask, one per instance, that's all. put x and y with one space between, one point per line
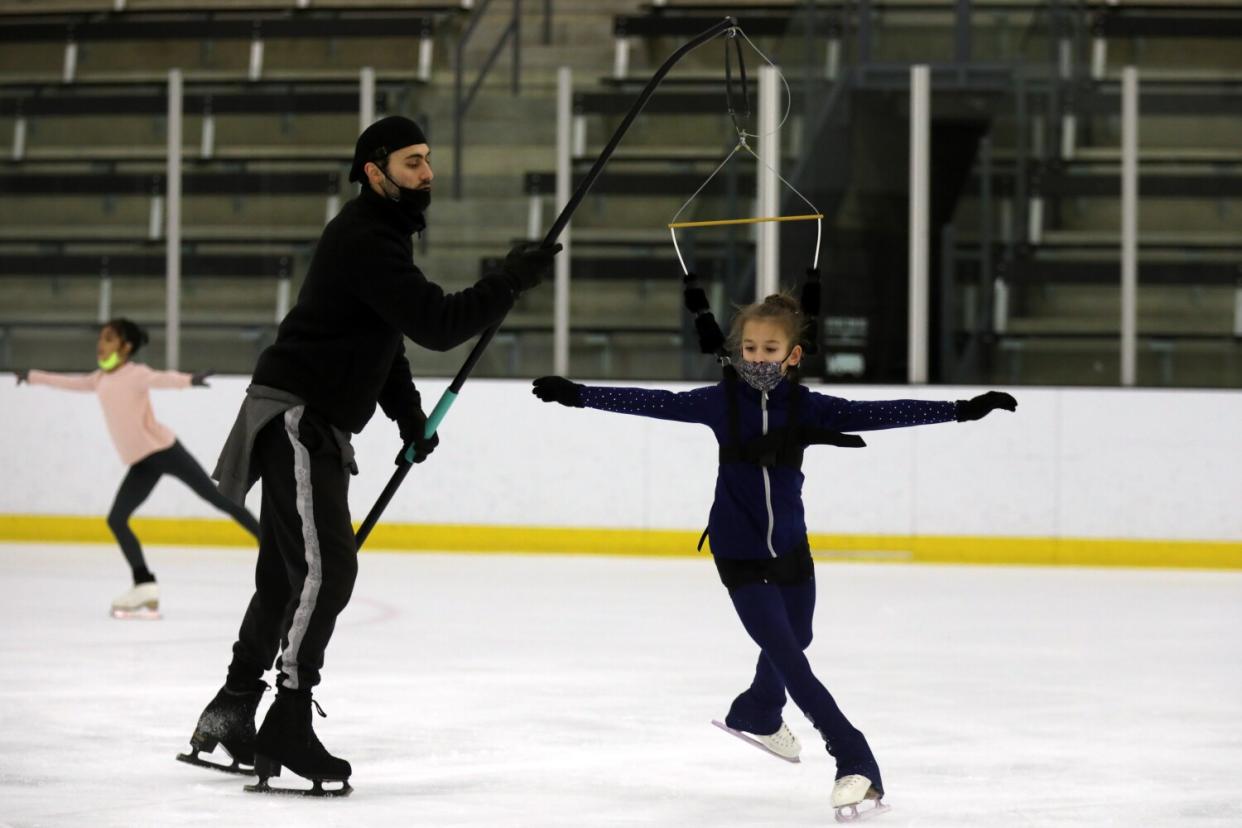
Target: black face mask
410 202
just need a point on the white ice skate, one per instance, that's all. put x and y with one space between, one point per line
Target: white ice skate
141 602
850 792
782 744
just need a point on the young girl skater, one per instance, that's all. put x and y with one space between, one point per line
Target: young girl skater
147 446
763 419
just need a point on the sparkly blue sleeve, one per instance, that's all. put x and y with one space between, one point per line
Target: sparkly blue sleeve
698 406
846 415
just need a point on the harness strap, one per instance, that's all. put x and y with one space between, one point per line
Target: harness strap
711 339
811 301
735 429
779 447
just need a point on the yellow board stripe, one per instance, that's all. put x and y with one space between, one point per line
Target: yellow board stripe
668 543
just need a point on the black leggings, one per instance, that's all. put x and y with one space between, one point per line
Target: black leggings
139 482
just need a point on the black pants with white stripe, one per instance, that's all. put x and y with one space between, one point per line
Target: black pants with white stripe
307 556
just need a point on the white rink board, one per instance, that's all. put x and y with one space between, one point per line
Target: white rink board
537 691
1073 463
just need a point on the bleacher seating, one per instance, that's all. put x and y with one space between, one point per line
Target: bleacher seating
287 116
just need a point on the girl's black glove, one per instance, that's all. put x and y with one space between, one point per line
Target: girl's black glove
199 378
23 375
976 408
558 390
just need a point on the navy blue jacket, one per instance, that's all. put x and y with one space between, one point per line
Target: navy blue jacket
757 512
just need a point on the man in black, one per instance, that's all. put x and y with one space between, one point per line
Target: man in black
338 353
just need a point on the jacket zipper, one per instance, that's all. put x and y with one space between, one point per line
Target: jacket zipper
767 481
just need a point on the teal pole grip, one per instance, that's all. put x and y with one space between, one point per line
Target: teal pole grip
433 422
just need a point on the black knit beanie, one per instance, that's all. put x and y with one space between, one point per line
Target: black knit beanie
381 138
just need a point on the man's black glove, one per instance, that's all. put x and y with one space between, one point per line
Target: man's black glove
199 378
23 375
413 429
976 408
558 390
527 263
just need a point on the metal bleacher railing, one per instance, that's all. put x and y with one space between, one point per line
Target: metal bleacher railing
99 163
1026 247
1041 177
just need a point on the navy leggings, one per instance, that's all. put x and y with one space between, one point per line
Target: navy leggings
778 619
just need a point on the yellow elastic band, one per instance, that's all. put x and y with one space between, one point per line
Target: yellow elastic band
721 222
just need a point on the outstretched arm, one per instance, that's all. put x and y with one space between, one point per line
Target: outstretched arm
390 284
697 406
168 379
67 382
848 415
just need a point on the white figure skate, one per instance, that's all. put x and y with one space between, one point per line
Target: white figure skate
141 602
850 792
782 744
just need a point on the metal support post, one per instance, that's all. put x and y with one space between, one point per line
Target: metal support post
19 138
768 241
920 230
256 59
282 298
172 234
1129 224
564 187
426 50
70 68
366 97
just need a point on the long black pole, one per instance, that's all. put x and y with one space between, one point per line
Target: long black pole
450 395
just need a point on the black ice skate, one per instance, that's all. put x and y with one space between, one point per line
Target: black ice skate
287 739
227 721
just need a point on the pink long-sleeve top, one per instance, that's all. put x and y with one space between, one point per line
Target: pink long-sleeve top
126 404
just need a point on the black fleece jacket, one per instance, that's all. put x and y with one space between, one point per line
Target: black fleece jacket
340 348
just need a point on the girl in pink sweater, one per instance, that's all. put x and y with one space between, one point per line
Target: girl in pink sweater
147 446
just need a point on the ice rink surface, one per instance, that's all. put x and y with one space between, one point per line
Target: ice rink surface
499 690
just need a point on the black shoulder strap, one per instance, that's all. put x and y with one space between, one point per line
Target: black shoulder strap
731 392
711 339
796 393
811 300
791 450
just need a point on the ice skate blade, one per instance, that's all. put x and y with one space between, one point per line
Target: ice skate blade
748 740
317 791
140 614
192 758
266 768
852 813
